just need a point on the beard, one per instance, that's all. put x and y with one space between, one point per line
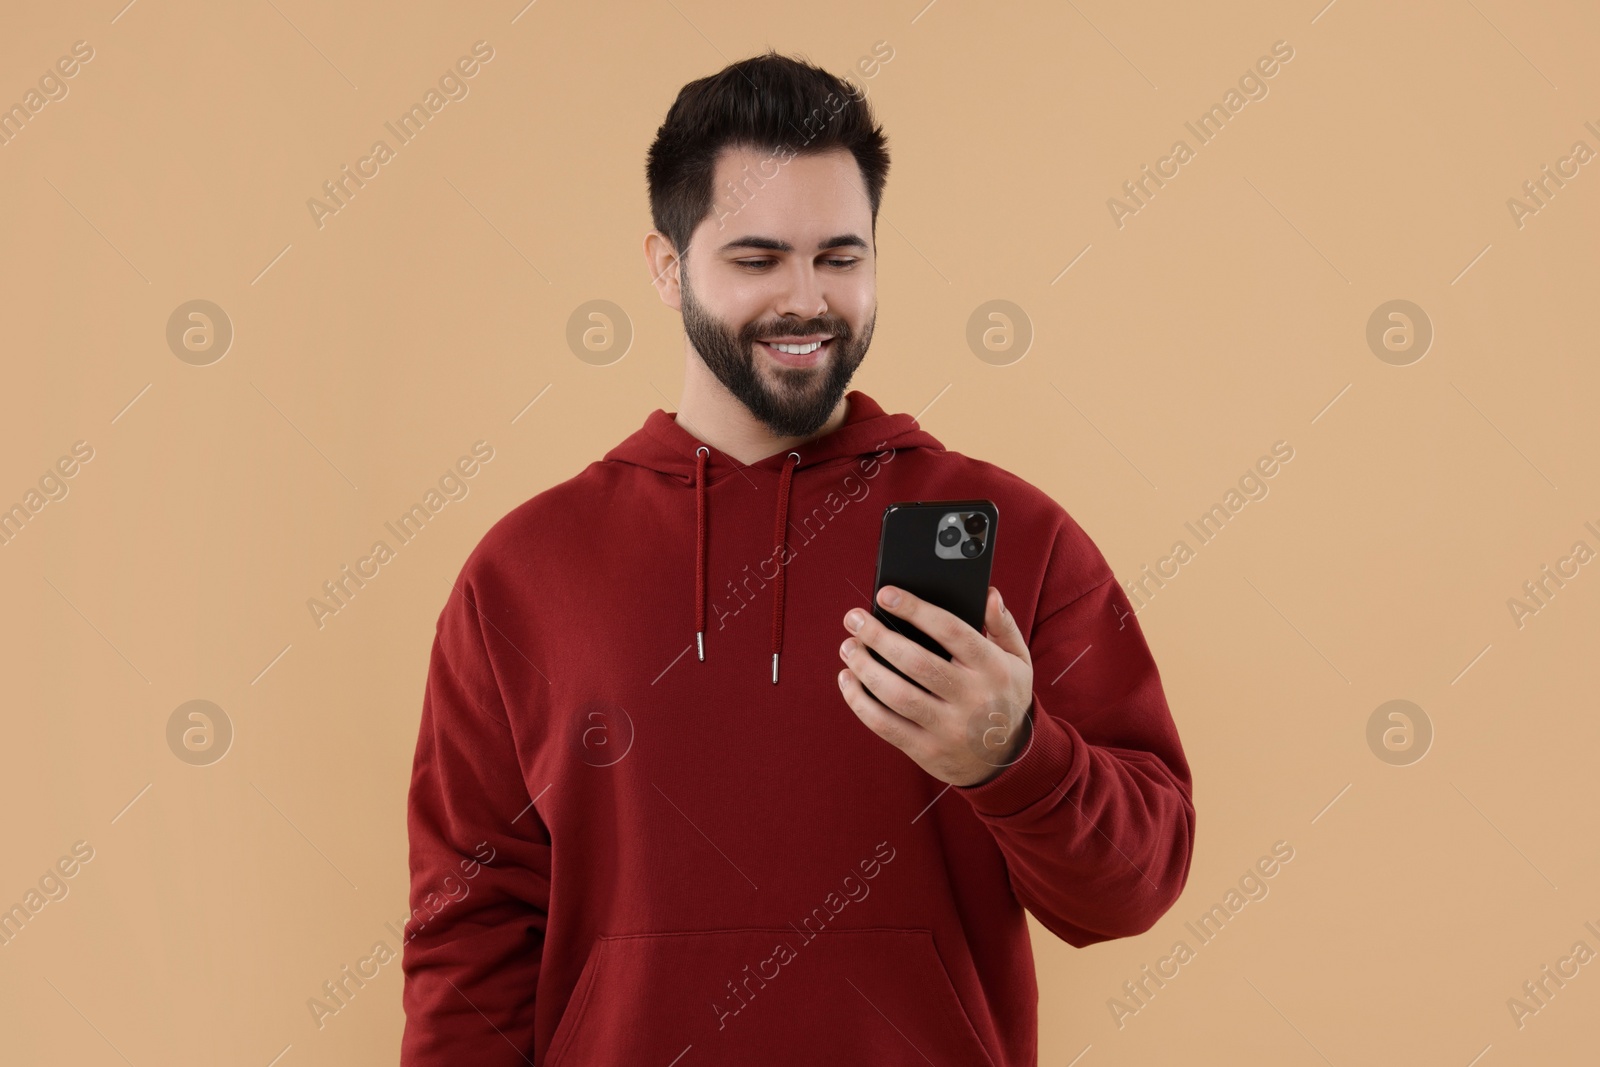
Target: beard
804 398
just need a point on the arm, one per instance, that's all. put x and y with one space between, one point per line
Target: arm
1095 816
480 865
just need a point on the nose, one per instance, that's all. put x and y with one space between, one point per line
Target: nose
803 297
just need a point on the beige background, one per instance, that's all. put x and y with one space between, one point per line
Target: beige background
1228 314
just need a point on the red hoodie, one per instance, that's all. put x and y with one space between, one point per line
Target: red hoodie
624 851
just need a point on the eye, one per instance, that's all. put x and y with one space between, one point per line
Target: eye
837 262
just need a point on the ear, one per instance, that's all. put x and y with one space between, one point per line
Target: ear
663 262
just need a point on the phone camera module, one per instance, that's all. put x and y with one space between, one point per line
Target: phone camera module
962 535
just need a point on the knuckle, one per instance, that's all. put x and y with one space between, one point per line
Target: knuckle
895 735
941 678
915 707
875 677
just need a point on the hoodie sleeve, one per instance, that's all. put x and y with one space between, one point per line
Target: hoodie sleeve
480 866
1096 817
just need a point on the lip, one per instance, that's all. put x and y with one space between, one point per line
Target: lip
789 359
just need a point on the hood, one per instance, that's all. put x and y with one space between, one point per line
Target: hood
664 446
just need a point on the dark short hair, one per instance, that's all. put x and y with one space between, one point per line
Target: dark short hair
768 103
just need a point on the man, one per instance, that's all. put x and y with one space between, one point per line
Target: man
656 817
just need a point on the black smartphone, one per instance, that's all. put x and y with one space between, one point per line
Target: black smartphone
941 551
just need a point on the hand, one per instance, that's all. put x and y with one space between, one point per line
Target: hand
972 721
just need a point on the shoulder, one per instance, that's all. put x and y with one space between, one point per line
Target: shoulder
1029 517
1016 498
552 524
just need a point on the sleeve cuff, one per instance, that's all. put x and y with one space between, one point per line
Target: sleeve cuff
1052 756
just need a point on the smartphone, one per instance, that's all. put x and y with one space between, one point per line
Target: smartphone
941 551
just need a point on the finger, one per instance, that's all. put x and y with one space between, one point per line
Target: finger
1003 628
966 646
929 670
892 691
899 731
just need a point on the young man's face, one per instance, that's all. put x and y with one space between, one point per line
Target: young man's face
791 263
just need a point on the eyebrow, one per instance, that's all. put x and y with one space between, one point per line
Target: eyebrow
772 244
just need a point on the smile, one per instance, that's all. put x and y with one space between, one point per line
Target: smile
805 354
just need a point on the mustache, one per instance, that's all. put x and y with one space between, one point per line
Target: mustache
836 328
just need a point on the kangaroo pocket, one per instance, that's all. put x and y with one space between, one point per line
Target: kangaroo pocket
766 996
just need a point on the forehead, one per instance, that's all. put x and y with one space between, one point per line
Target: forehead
806 199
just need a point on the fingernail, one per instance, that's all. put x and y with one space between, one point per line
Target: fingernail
855 620
848 647
888 597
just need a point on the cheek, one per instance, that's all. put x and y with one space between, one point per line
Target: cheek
745 300
856 301
733 303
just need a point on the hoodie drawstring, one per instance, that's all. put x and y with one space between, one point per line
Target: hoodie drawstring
780 529
779 544
700 455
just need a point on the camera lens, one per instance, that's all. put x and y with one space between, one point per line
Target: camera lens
972 548
976 523
949 536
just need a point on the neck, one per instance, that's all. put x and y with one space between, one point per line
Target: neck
715 416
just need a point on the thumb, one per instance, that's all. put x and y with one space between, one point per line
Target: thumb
1002 628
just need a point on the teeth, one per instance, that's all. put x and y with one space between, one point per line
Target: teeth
797 350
